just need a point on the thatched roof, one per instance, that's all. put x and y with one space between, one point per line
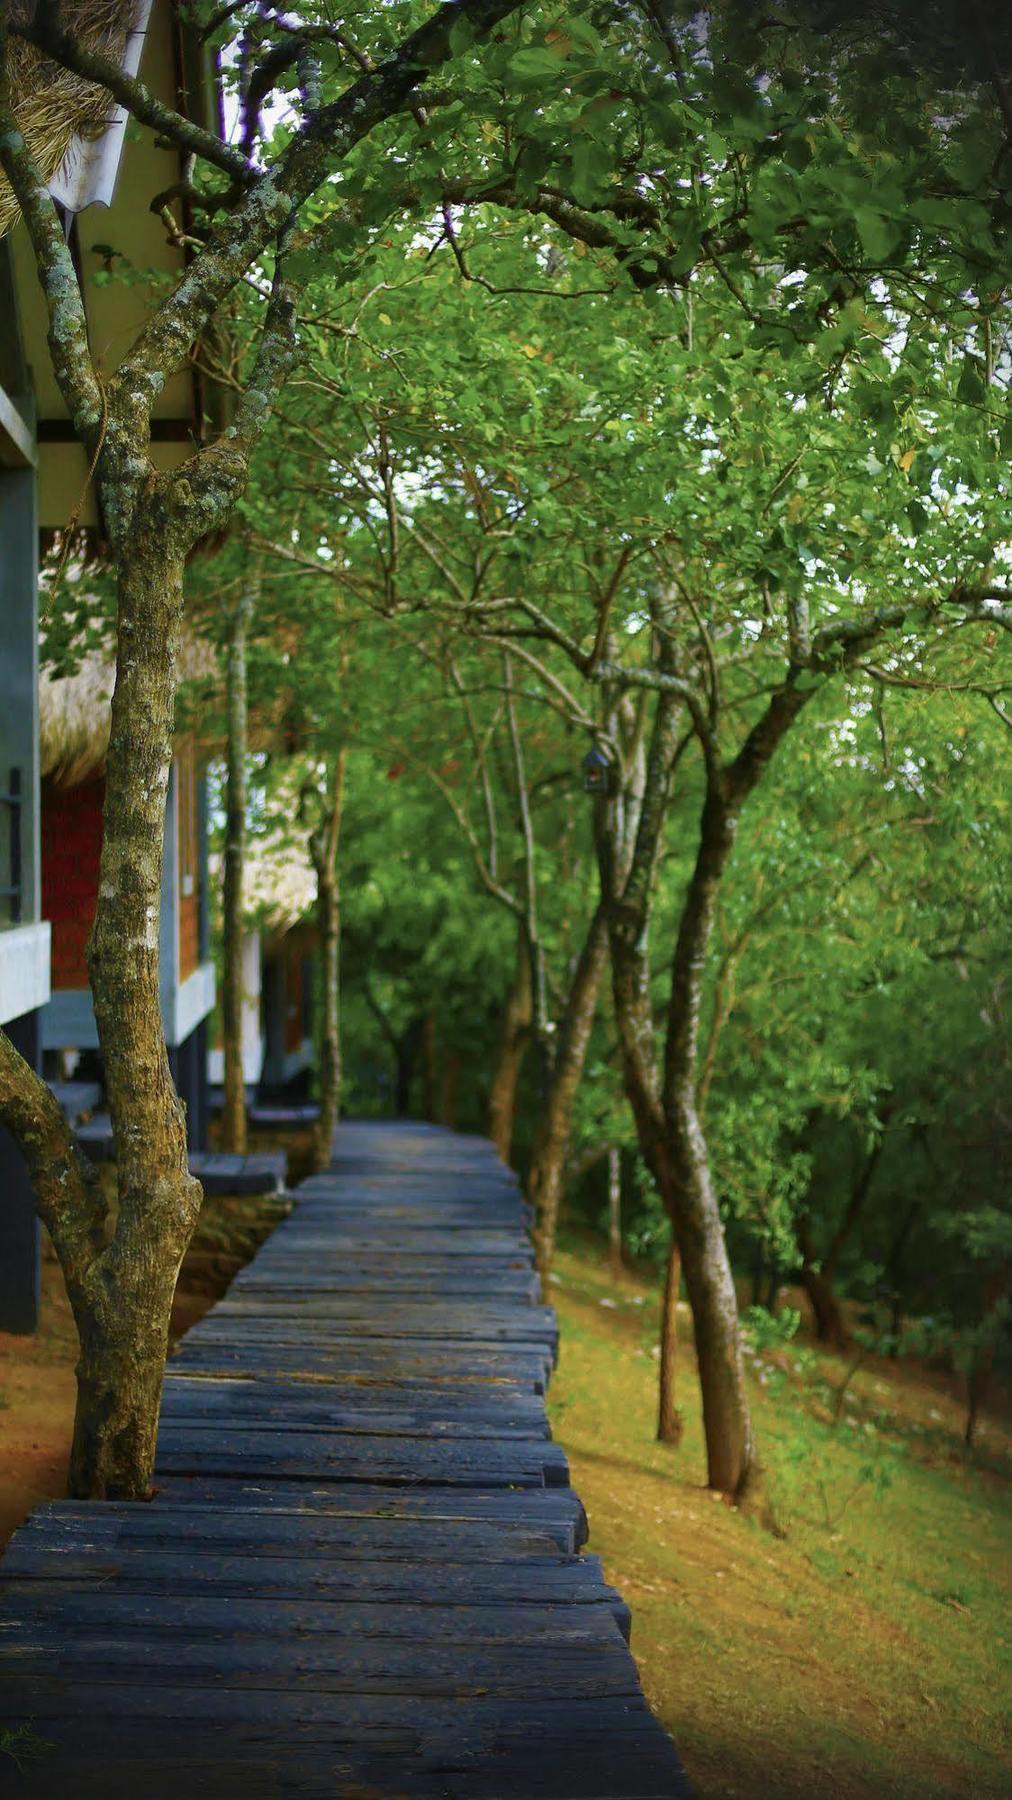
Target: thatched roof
74 710
74 720
55 109
279 886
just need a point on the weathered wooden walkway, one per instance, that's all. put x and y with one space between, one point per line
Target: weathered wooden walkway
361 1575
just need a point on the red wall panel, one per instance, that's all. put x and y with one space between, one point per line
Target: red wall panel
71 847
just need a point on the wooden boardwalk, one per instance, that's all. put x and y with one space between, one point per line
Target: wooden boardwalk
361 1575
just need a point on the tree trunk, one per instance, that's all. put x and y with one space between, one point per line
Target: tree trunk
978 1379
670 1133
894 1270
122 1324
615 1212
670 1424
695 1214
819 1283
451 1078
323 848
730 1447
123 1301
827 1314
430 1069
233 1123
405 1056
546 1177
328 921
516 1035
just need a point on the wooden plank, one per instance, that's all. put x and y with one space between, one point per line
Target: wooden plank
478 1724
426 1242
352 1348
522 1285
392 1251
407 1317
471 1462
169 1573
504 1399
99 1609
346 1667
272 1404
410 1540
305 1417
360 1500
636 1763
255 1771
345 1359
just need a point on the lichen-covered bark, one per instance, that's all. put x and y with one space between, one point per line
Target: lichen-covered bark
233 1123
546 1177
124 1327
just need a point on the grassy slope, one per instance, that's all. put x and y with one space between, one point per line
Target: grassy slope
859 1655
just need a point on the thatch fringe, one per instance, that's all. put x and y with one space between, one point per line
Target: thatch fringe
74 710
52 106
74 721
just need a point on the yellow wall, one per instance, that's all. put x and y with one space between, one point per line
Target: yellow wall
115 311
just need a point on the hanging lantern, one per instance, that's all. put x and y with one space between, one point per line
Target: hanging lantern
596 771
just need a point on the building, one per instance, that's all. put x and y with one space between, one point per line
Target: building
24 934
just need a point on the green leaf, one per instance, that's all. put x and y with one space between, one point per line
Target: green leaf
971 381
918 516
879 235
533 64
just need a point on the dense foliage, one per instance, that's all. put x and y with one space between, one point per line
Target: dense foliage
635 383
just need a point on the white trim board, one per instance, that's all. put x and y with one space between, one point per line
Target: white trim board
24 969
191 1002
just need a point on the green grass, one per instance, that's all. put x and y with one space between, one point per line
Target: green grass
859 1651
22 1745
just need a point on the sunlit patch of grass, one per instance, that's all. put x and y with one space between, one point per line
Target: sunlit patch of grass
860 1652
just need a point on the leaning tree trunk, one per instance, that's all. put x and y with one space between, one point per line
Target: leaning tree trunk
732 1466
233 1124
323 848
546 1176
122 1304
516 1035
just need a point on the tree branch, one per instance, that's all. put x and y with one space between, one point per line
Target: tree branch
68 326
67 1195
317 148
